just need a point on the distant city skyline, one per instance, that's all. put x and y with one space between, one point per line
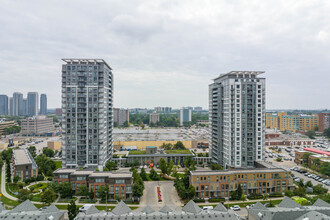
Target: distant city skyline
166 53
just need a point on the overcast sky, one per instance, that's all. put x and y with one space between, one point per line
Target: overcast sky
166 53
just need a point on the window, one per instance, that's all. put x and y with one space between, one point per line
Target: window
99 180
120 181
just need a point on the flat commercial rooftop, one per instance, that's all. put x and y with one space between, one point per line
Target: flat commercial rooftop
159 134
21 157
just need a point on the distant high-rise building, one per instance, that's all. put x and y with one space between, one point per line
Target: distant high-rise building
33 103
198 109
120 116
237 119
324 121
3 105
163 109
184 115
25 107
11 106
87 119
18 109
154 118
43 104
58 112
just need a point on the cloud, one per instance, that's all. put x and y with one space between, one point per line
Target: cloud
168 52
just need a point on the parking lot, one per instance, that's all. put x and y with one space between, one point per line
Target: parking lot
287 154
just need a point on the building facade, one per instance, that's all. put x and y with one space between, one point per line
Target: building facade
324 121
3 105
154 118
163 109
33 103
120 116
4 125
237 119
17 109
221 183
37 126
184 115
23 164
87 116
119 183
43 104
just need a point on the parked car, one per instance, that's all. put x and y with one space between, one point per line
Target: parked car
235 208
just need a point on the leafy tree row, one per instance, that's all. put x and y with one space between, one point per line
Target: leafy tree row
12 130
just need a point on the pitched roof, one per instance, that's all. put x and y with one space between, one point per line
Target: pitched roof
259 206
313 215
220 207
148 210
24 206
165 209
2 208
121 208
51 208
289 203
321 203
92 210
191 207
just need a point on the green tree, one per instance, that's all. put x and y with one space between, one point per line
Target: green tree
91 194
305 158
179 146
215 166
153 174
319 189
72 210
23 195
33 151
167 146
65 190
45 164
83 191
239 191
1 163
138 185
191 192
279 159
143 174
16 179
8 173
103 192
309 183
125 124
311 134
170 167
325 168
48 152
300 191
162 165
111 165
326 132
289 193
48 196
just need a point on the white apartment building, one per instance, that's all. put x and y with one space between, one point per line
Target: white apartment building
87 118
237 119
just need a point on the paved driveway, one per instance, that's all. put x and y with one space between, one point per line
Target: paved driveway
168 192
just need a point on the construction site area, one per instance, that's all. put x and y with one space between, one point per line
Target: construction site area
156 137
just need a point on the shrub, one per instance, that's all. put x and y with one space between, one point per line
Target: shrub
255 196
275 194
199 200
40 178
217 200
289 193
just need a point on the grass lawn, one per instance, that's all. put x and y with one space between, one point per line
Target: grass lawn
40 186
137 152
36 198
181 175
58 164
177 151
